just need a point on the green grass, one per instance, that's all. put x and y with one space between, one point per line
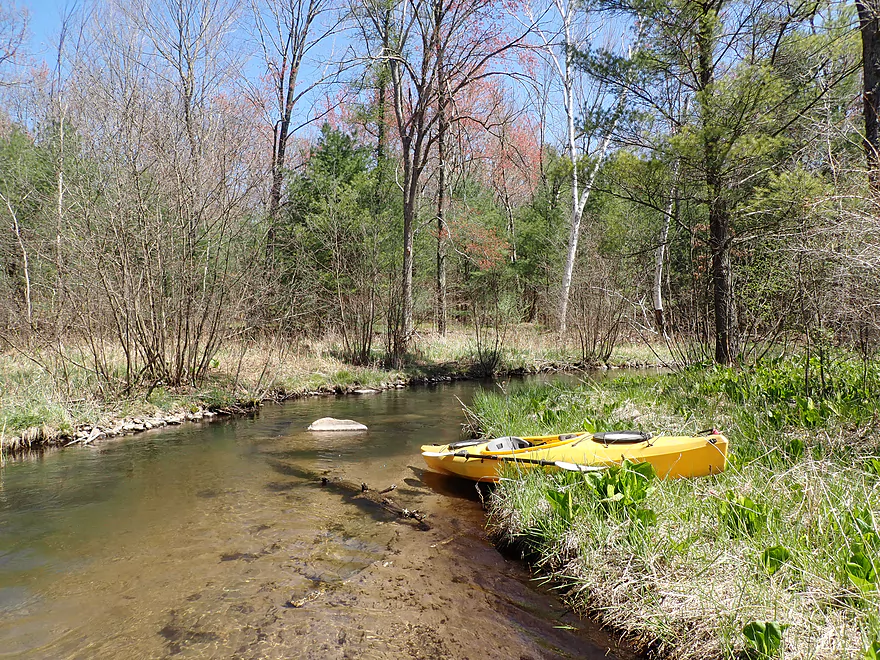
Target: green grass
803 488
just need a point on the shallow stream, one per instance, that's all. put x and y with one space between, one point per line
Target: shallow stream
192 542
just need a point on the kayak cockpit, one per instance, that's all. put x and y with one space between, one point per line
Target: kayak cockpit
513 442
507 443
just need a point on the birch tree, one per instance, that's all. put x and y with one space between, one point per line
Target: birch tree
561 41
662 249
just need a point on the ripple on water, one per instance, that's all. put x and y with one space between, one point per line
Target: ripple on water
15 600
21 561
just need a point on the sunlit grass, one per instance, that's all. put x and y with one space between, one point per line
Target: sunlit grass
689 583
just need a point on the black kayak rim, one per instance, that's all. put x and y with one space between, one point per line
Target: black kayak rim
621 437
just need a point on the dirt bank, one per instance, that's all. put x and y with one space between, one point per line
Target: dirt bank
50 436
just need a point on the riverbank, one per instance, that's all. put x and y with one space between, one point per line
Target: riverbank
776 557
47 401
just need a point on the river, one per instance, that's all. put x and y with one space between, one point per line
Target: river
193 542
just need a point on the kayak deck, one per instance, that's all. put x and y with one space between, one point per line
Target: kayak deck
671 456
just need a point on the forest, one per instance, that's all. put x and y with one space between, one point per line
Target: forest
181 174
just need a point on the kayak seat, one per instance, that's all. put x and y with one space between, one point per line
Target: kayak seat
507 443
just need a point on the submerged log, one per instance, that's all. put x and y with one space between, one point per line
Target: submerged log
356 493
364 493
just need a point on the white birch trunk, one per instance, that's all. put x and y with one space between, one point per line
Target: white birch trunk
25 263
579 198
662 249
59 227
659 260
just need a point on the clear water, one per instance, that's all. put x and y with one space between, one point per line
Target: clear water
189 541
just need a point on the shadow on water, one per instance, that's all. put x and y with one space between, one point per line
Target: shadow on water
446 486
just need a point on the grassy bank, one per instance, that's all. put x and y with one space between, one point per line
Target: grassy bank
47 396
777 557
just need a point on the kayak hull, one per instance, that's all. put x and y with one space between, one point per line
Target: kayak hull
672 457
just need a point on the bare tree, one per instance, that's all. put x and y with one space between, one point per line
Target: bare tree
434 49
164 242
13 34
287 30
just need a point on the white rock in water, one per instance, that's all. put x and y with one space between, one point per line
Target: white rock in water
366 390
332 424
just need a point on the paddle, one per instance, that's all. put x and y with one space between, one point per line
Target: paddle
562 465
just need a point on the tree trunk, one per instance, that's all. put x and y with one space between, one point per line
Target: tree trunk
663 247
279 149
59 226
290 40
575 227
579 197
576 216
869 24
409 211
659 260
511 230
568 273
719 227
25 263
381 108
719 212
442 231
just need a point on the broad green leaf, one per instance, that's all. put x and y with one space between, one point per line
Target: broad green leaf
773 558
765 637
795 448
861 572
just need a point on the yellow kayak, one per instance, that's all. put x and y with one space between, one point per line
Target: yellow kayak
671 456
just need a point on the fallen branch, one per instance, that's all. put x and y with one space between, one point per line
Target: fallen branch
308 598
364 493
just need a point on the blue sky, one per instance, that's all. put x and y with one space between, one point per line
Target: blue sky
45 20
